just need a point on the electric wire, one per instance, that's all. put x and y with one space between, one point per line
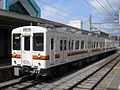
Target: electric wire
51 11
110 6
94 8
58 8
104 8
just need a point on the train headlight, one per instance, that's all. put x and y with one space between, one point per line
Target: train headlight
39 55
15 62
39 64
14 54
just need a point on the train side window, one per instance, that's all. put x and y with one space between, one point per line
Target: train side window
69 45
52 44
61 45
72 44
88 44
94 44
38 42
77 44
91 44
16 41
65 44
82 44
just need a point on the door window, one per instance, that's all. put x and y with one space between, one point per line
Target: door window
27 43
52 44
61 45
65 44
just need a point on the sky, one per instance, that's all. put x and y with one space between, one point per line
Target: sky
63 11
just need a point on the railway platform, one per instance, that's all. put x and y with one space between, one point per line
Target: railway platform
6 70
111 81
4 61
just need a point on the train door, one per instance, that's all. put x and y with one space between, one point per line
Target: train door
52 50
26 47
63 49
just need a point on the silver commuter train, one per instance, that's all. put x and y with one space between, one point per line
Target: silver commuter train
45 50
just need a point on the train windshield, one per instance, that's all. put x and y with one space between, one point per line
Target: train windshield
38 42
16 41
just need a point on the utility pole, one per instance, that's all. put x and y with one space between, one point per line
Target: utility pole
90 22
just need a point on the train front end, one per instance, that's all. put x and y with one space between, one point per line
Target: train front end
28 50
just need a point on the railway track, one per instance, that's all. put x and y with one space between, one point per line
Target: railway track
87 78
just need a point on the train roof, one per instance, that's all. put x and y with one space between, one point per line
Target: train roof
46 28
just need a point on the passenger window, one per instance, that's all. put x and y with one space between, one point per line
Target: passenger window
61 45
88 44
52 44
16 41
65 44
77 44
94 44
82 45
38 42
72 44
91 44
97 45
69 45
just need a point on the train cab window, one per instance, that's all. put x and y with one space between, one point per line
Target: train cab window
65 44
38 42
16 41
27 43
61 45
52 44
82 44
77 44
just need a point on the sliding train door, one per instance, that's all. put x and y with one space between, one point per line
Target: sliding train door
63 49
26 52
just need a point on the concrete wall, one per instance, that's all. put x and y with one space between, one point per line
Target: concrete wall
1 4
27 6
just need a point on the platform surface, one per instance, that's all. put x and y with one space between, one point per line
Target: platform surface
115 83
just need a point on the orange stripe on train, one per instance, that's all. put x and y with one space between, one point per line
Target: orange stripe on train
42 57
17 55
93 50
79 52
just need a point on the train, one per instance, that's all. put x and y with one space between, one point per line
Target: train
47 50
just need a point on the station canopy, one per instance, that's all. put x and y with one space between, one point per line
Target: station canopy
9 19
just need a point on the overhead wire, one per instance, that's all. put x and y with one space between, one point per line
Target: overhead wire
94 8
52 12
110 6
104 8
58 8
57 13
